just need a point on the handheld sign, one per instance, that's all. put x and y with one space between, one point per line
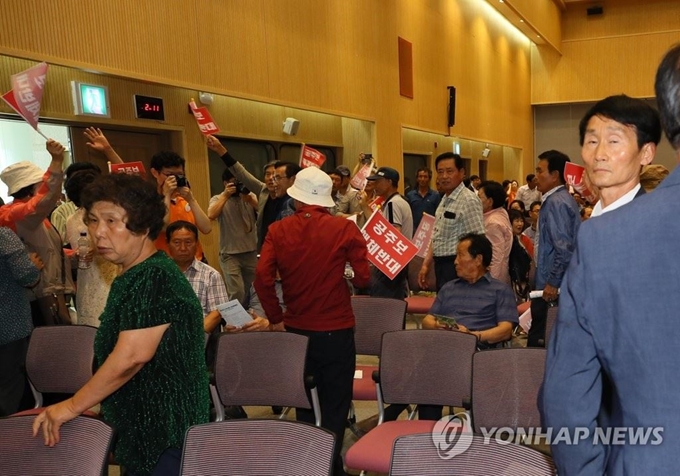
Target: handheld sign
388 249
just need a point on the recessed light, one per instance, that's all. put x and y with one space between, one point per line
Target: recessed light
538 36
521 21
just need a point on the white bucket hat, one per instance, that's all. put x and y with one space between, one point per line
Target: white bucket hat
20 175
312 186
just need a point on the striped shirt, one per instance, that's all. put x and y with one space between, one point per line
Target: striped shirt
458 213
208 285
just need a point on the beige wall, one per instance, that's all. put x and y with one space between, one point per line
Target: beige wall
266 60
617 52
332 56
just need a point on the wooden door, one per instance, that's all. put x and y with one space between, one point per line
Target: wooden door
131 146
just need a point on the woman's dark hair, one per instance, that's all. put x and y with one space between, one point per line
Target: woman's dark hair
521 205
515 215
77 182
143 204
494 191
25 192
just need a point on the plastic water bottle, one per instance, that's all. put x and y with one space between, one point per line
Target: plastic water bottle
83 249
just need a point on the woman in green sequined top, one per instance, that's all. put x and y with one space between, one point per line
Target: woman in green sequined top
151 381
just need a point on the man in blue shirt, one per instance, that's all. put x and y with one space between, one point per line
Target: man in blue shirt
423 199
481 305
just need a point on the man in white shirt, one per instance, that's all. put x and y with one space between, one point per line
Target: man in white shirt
618 136
529 193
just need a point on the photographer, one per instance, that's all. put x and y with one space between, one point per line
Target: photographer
168 170
234 209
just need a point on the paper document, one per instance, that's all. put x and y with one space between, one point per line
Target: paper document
358 374
233 313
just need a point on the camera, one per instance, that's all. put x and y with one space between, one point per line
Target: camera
367 159
241 189
181 181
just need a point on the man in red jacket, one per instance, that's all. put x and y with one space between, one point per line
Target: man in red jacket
310 249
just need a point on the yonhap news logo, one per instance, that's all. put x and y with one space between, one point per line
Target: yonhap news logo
452 435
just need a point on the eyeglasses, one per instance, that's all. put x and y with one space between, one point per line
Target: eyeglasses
278 178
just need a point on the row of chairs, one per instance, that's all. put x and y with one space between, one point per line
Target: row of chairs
295 448
497 388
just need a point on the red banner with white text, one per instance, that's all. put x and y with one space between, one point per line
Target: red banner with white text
204 119
423 235
388 249
131 168
26 94
311 157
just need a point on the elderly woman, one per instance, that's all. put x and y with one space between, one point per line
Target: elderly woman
151 381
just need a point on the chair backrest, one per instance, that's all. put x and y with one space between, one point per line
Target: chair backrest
417 455
550 319
261 368
426 367
375 316
412 277
60 358
505 386
257 447
83 448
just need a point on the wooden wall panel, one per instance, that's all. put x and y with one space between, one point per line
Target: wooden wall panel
543 15
617 52
335 56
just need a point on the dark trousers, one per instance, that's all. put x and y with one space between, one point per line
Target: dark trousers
539 315
425 412
444 269
13 381
382 286
168 464
331 360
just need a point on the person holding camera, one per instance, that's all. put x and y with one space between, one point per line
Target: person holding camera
234 209
168 169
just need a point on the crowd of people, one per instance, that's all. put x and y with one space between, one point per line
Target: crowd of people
144 280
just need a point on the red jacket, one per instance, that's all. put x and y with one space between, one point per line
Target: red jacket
309 250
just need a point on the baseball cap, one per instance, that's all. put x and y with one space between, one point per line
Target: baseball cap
385 172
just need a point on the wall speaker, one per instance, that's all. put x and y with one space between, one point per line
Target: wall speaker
590 11
290 126
486 152
452 106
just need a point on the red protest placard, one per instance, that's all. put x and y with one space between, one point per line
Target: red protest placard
359 179
204 119
309 157
132 168
574 175
26 94
376 203
423 235
388 249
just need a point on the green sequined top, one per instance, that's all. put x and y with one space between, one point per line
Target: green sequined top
153 410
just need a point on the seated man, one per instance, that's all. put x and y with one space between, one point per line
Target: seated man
481 305
205 280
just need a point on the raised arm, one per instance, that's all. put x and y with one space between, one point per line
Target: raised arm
99 142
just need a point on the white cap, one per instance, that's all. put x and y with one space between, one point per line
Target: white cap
20 175
312 186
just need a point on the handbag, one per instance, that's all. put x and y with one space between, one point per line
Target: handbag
54 311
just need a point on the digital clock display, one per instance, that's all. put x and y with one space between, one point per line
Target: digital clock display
147 107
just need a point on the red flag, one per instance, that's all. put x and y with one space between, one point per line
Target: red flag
359 179
573 174
204 119
309 156
26 93
423 235
388 249
132 168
